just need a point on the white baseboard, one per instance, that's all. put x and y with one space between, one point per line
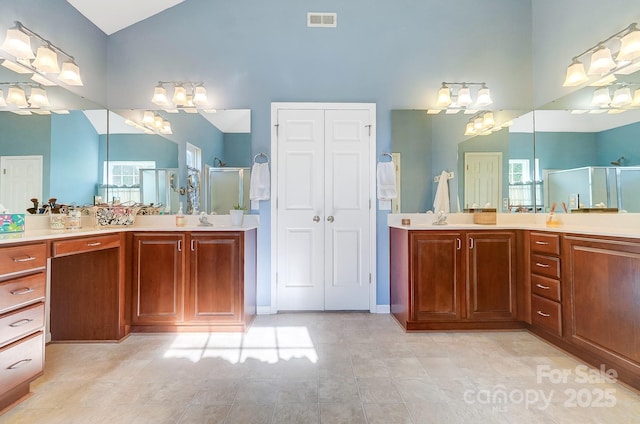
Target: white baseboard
264 310
383 309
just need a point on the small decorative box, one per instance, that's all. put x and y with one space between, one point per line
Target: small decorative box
115 216
11 223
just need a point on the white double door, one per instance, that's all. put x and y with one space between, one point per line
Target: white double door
323 209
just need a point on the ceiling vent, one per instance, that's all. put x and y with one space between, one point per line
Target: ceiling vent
322 20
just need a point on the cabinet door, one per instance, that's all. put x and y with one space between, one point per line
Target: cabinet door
158 278
601 297
437 283
215 286
491 277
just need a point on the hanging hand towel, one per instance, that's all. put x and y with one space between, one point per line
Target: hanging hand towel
386 175
260 182
441 200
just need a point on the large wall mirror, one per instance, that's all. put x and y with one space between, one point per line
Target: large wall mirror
589 156
49 152
178 165
491 170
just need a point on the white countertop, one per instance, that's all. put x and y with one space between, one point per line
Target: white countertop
603 224
37 227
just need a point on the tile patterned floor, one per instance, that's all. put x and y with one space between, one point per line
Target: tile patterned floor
321 368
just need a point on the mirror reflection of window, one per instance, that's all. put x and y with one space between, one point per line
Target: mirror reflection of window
123 180
521 186
194 157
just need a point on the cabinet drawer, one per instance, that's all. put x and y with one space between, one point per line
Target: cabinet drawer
21 322
22 291
545 243
547 314
545 265
545 287
19 259
84 244
21 361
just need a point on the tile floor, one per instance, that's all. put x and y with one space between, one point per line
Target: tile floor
322 368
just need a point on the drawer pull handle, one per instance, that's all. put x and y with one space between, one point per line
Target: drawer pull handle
542 287
24 259
542 314
542 265
21 322
19 364
94 244
19 292
543 243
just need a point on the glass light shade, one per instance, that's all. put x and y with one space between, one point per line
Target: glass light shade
18 44
478 123
487 120
147 117
601 97
470 129
444 97
464 97
200 96
166 127
621 97
575 75
484 97
38 97
46 61
16 96
157 121
180 96
629 47
160 96
2 101
636 97
601 62
70 73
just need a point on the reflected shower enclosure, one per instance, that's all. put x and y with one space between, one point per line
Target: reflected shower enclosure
224 188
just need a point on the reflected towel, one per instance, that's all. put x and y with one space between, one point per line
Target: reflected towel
260 188
441 200
386 175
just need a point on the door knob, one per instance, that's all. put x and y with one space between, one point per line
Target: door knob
316 218
330 218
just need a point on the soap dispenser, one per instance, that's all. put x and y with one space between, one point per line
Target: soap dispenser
181 221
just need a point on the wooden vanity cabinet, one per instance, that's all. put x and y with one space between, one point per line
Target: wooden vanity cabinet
198 281
158 278
453 279
601 302
87 289
546 286
23 271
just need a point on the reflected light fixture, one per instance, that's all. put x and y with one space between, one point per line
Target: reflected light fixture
187 95
147 117
18 43
38 97
601 97
482 123
636 98
621 97
16 96
2 101
600 56
457 95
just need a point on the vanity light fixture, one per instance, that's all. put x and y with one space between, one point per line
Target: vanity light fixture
2 100
457 95
621 97
616 96
600 56
16 96
18 44
601 97
38 97
636 98
186 95
482 123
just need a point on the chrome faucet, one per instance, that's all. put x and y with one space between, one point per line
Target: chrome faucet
204 221
441 219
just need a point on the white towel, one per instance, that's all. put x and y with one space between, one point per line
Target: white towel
441 200
386 174
260 188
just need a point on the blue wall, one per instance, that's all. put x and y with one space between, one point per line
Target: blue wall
142 147
28 135
622 141
237 150
566 150
74 158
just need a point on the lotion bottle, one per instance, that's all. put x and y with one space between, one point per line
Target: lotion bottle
180 219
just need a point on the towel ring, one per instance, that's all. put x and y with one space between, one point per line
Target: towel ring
259 155
387 154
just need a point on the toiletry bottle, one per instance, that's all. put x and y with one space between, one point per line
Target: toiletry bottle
181 221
